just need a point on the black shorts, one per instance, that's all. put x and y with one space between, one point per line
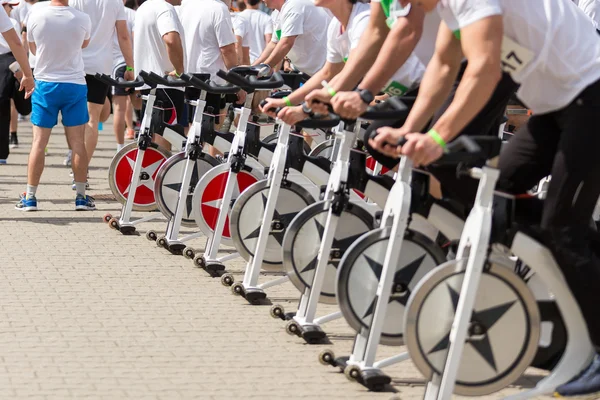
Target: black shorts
216 102
96 90
171 100
119 72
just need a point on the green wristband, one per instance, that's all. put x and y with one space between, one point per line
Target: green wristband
331 91
177 75
438 139
287 101
128 68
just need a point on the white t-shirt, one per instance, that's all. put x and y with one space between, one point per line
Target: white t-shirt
153 20
36 6
5 23
116 52
592 9
208 27
4 47
340 44
20 11
59 60
426 46
549 46
303 19
104 14
252 26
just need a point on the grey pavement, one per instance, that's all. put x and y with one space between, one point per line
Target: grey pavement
88 313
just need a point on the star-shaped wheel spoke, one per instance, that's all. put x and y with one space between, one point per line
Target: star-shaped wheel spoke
284 219
190 195
150 170
484 318
340 245
402 277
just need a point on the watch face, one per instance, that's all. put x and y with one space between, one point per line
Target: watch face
366 96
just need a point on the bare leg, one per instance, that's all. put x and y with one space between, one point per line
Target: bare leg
120 117
75 136
14 117
91 130
37 158
162 142
105 110
128 113
211 150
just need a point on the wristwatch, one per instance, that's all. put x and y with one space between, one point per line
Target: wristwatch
307 110
365 95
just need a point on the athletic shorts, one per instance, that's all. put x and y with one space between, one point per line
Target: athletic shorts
119 72
170 100
216 101
96 90
50 98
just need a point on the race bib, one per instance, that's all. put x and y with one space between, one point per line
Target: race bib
514 57
395 89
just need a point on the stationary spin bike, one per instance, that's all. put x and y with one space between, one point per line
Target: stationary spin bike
320 234
227 181
133 170
472 326
179 175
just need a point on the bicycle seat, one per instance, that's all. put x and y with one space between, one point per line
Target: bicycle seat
154 80
202 82
121 83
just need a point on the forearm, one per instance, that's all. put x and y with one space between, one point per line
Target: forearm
280 51
239 49
230 57
474 91
266 53
396 49
126 49
245 56
435 88
175 53
13 41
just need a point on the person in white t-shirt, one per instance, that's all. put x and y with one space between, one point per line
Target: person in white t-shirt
61 88
210 46
159 47
554 53
106 16
122 106
253 30
343 35
299 33
10 50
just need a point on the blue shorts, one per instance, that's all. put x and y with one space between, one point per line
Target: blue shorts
49 98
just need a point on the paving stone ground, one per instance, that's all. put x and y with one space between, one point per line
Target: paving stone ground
88 313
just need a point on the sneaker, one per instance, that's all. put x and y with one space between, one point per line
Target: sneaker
26 204
14 141
67 160
22 118
130 134
2 162
84 203
87 185
584 385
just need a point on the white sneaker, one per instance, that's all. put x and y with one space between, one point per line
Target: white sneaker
67 160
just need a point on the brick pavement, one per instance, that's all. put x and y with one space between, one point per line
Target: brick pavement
88 313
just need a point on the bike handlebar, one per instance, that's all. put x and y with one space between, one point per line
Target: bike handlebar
167 80
121 83
251 80
210 87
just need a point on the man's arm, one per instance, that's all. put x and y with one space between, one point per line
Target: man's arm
368 48
266 53
268 37
125 44
396 49
328 71
281 49
481 44
229 55
175 50
16 47
437 81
